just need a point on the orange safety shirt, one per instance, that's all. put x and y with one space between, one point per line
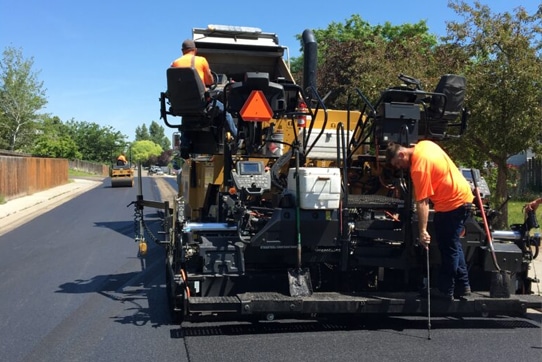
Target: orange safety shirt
436 177
200 64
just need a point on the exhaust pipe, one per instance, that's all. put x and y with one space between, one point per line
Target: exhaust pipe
310 52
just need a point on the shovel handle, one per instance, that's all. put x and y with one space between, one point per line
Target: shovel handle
484 218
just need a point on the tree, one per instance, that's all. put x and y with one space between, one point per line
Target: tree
96 143
335 41
356 29
162 160
142 151
157 135
21 96
154 133
376 56
504 86
53 140
142 133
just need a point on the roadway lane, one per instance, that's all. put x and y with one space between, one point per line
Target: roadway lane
73 289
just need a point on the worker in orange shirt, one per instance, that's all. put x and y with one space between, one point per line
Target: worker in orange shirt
189 59
121 160
437 179
199 63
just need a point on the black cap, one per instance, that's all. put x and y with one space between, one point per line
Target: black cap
188 44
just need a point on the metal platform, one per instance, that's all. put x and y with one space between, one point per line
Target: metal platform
373 201
479 304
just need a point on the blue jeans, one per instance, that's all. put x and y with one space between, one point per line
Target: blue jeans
448 227
230 124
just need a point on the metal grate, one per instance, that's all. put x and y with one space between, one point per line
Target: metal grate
373 201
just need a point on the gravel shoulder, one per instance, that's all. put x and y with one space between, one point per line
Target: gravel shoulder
167 191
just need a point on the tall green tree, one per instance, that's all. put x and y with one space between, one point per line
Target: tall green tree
96 143
157 135
21 97
154 133
53 140
142 133
504 85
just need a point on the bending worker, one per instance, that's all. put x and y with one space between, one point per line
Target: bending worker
437 179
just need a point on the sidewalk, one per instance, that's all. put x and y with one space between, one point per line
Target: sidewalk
16 212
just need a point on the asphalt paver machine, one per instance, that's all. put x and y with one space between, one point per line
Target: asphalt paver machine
298 214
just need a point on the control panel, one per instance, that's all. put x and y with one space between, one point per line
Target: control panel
252 176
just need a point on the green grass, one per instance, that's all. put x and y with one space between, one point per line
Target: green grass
75 173
2 199
515 212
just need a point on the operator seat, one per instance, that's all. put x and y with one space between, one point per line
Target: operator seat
187 98
446 103
186 92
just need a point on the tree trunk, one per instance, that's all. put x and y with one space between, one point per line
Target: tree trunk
501 194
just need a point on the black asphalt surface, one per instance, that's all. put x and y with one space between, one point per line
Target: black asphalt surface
73 289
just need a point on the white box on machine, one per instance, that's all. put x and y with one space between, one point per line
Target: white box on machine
326 147
319 188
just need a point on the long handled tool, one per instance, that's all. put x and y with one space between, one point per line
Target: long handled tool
500 279
484 218
299 279
428 295
140 237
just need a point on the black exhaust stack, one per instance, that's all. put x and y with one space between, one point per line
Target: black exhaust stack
310 51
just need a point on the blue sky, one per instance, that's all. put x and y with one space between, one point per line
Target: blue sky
104 61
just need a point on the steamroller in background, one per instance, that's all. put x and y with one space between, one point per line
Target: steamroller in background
121 176
121 173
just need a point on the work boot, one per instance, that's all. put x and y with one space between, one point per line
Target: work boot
464 293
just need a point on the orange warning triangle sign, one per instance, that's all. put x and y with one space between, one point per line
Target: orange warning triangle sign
256 108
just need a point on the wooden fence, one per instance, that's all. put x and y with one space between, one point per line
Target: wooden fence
24 175
530 176
90 167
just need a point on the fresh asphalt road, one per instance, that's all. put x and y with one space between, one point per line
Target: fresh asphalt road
73 289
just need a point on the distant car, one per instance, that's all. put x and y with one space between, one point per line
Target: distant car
155 170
